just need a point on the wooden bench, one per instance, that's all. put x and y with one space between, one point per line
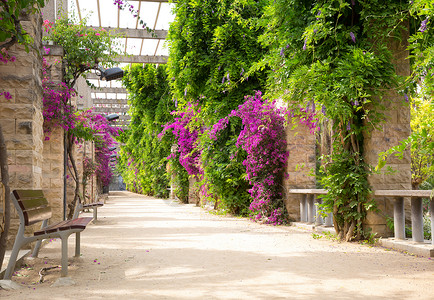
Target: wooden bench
32 208
94 206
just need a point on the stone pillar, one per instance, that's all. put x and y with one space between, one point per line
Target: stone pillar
396 128
21 117
53 172
53 167
193 191
301 147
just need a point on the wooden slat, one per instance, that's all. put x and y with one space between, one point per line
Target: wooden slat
87 205
51 228
79 223
37 215
33 204
19 194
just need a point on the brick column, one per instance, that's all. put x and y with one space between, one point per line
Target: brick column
301 160
396 128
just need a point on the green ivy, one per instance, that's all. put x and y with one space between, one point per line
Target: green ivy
212 46
333 58
224 173
143 157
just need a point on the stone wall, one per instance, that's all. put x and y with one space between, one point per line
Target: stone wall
301 161
21 117
53 144
396 128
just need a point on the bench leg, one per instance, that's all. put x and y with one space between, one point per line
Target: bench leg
64 271
39 242
19 242
36 249
95 213
77 244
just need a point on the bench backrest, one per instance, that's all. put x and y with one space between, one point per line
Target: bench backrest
33 204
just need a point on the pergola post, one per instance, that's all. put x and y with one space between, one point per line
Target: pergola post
417 219
399 218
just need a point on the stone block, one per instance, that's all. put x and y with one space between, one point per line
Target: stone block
24 127
19 142
25 180
45 183
8 126
56 183
24 157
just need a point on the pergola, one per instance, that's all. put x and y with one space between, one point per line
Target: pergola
140 45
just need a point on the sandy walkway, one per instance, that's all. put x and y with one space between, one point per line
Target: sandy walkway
147 248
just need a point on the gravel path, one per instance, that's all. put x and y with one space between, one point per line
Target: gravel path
148 248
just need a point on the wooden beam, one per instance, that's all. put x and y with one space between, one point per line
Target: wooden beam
138 33
109 110
110 101
143 59
110 90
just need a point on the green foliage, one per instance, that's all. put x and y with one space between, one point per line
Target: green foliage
348 193
333 58
11 28
84 47
224 173
421 46
420 142
143 157
212 45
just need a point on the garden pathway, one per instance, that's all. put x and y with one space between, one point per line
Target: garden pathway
148 248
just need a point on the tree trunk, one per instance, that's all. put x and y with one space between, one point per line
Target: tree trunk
76 179
7 206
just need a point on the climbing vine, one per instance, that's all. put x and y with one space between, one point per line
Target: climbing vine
333 57
143 157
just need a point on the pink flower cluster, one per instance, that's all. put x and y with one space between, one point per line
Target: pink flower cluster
5 58
189 154
263 138
57 110
103 137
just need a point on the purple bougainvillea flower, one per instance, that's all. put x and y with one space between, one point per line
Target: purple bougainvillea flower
353 37
7 95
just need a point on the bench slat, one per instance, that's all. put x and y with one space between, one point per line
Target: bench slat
93 204
50 228
33 204
79 223
36 215
19 194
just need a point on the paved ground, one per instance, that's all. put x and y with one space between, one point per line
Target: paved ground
147 248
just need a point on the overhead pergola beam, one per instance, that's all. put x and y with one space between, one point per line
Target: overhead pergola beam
110 90
110 110
138 33
110 101
143 59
